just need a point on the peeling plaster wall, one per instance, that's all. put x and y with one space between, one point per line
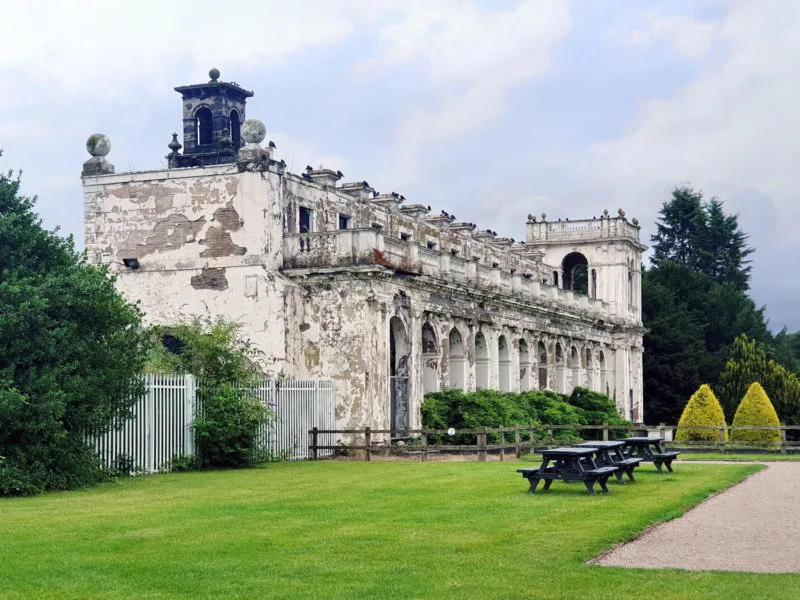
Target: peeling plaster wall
217 242
208 242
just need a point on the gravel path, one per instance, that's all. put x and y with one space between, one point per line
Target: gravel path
753 526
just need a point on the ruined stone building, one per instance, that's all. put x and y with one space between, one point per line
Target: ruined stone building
335 280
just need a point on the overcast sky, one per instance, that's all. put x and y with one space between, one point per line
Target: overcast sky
488 109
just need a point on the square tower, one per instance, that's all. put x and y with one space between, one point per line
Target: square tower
213 113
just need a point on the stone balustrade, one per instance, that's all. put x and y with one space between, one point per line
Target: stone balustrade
582 230
372 246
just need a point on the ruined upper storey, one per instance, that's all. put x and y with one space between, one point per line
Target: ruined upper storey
213 114
312 222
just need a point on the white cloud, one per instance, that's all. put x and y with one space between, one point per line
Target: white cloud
735 126
470 59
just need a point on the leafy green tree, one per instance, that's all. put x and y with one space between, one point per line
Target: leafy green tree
756 410
702 410
229 425
748 363
71 353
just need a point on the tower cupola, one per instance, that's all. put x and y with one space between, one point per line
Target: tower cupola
213 114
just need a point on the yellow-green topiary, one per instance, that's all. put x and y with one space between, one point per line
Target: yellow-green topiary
756 409
703 409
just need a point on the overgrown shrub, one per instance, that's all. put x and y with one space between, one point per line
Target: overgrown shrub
491 409
756 409
231 418
703 409
228 430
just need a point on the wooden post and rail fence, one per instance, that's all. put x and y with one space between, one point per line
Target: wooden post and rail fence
524 439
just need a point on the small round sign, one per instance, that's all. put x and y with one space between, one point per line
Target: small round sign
451 431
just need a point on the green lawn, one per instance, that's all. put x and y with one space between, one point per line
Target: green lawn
356 530
737 456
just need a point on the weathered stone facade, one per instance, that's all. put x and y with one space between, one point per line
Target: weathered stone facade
335 281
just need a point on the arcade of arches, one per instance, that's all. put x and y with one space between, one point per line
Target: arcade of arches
468 357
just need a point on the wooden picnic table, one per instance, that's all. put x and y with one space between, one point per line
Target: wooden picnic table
609 454
649 449
568 464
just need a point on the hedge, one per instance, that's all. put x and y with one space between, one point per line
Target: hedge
491 409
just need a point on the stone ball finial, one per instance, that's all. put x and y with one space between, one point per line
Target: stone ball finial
253 131
605 212
544 217
214 74
621 213
635 222
98 144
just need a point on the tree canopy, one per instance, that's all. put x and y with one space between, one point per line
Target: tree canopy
697 234
71 353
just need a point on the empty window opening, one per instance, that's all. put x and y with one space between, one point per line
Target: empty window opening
236 129
576 273
555 277
454 251
345 222
406 237
305 219
431 245
205 127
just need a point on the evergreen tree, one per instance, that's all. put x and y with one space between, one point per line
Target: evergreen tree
692 321
755 410
702 410
748 364
700 236
679 229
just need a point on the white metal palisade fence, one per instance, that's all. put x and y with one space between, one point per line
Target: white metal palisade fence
161 427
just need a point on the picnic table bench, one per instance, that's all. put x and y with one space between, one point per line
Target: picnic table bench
649 449
568 464
609 454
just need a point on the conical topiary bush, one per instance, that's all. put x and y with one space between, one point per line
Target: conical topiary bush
756 409
702 409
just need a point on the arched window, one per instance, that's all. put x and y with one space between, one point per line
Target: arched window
524 367
504 364
576 274
456 360
236 129
481 362
542 357
430 360
205 126
399 369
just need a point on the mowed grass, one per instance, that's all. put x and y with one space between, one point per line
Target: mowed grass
739 456
356 530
